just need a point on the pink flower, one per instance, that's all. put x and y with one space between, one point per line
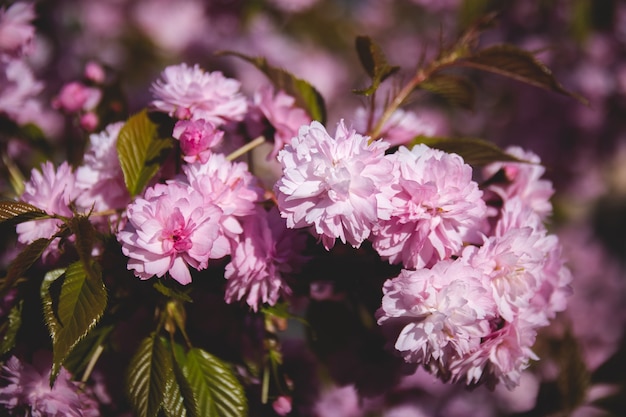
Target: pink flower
501 357
442 313
52 191
168 230
18 87
281 112
28 390
522 180
266 254
190 93
75 96
282 405
197 137
436 206
231 187
403 126
333 183
16 30
100 175
94 72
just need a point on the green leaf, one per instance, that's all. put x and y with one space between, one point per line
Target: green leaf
9 328
573 380
217 392
475 152
146 377
22 262
85 234
513 62
457 90
306 96
374 62
172 292
178 399
140 151
19 212
81 303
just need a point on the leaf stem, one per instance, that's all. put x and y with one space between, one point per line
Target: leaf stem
92 363
245 148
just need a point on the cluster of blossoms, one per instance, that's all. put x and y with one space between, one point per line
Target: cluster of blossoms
479 271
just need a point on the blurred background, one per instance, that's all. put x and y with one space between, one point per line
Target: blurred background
583 147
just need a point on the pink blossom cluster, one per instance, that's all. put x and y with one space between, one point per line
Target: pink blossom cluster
26 390
477 280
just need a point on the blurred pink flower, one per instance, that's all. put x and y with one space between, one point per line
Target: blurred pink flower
16 30
94 72
51 190
18 86
281 112
333 183
522 180
403 126
100 175
75 96
28 391
282 405
266 253
196 138
436 206
191 93
168 230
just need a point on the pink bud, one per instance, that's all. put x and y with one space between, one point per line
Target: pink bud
282 405
75 96
89 121
196 138
94 72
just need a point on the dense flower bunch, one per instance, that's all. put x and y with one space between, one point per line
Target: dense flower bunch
212 198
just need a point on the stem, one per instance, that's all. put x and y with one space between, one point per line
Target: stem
245 148
92 362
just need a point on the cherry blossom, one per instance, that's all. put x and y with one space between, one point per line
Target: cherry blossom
196 138
191 93
333 183
169 230
436 207
28 390
266 254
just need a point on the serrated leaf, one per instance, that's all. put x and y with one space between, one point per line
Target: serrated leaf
457 90
518 64
306 96
80 305
374 62
19 212
146 376
217 392
475 152
22 262
178 399
9 328
140 151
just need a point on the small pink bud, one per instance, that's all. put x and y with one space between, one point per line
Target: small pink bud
75 96
196 138
94 72
282 405
89 121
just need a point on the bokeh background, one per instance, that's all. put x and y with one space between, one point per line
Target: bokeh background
583 148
